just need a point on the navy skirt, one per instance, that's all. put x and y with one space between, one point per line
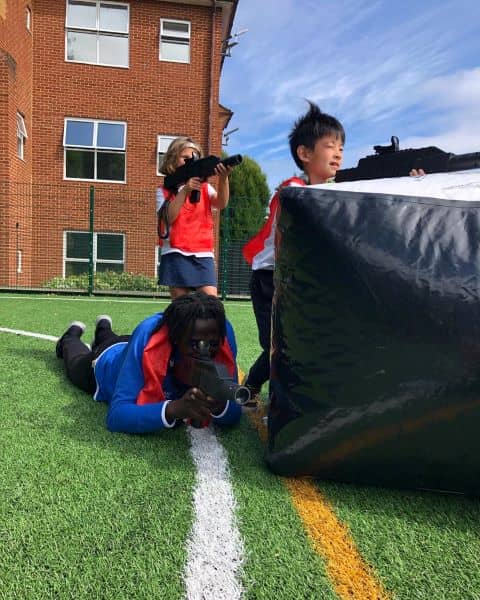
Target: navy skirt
177 270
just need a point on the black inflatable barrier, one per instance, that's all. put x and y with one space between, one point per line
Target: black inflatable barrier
376 340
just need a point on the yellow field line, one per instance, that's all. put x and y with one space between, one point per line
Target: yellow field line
350 575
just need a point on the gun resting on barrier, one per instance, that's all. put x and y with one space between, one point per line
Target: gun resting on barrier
198 167
211 377
390 161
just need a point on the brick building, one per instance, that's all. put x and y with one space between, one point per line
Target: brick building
91 93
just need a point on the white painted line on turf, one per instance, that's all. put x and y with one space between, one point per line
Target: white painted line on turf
83 299
42 336
155 301
215 549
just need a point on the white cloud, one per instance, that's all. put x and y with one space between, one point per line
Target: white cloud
460 89
383 68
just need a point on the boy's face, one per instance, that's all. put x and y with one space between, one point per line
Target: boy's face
205 330
323 162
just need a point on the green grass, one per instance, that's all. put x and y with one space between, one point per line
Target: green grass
85 513
423 545
280 561
84 508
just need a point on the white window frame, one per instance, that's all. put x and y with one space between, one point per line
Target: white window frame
98 31
161 139
94 149
176 38
21 135
28 18
65 258
19 261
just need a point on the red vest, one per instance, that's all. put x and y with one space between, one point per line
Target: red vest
155 359
192 230
257 243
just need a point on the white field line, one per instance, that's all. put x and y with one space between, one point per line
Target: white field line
235 303
215 548
42 336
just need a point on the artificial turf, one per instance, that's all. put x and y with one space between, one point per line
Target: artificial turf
85 513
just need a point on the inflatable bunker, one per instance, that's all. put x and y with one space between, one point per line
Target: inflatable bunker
376 333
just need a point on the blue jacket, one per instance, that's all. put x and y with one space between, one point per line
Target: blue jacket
120 379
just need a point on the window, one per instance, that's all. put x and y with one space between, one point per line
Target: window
21 135
28 18
94 150
97 33
163 142
108 252
175 40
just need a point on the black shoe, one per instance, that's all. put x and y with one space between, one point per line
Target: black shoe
103 323
75 328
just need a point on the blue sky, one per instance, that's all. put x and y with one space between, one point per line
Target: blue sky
383 67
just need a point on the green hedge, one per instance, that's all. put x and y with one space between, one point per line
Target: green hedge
108 280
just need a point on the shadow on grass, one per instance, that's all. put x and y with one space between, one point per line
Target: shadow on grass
437 509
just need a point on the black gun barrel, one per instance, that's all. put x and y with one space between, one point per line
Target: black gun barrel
201 167
464 162
212 378
232 161
399 163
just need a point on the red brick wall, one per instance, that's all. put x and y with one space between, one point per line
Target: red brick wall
153 97
15 95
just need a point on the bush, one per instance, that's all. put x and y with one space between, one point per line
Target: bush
108 280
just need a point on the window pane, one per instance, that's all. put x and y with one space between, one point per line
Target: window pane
175 28
113 50
79 133
178 52
101 267
164 142
111 135
75 268
161 157
111 166
82 46
77 244
113 18
79 165
109 247
81 14
21 129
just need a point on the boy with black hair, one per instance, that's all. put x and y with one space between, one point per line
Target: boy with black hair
316 144
140 375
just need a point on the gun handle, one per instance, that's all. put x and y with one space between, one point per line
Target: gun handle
194 196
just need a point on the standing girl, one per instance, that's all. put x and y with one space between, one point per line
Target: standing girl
187 250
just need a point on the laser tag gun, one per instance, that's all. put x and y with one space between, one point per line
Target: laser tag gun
198 167
390 161
211 377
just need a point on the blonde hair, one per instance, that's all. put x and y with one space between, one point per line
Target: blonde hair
179 144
